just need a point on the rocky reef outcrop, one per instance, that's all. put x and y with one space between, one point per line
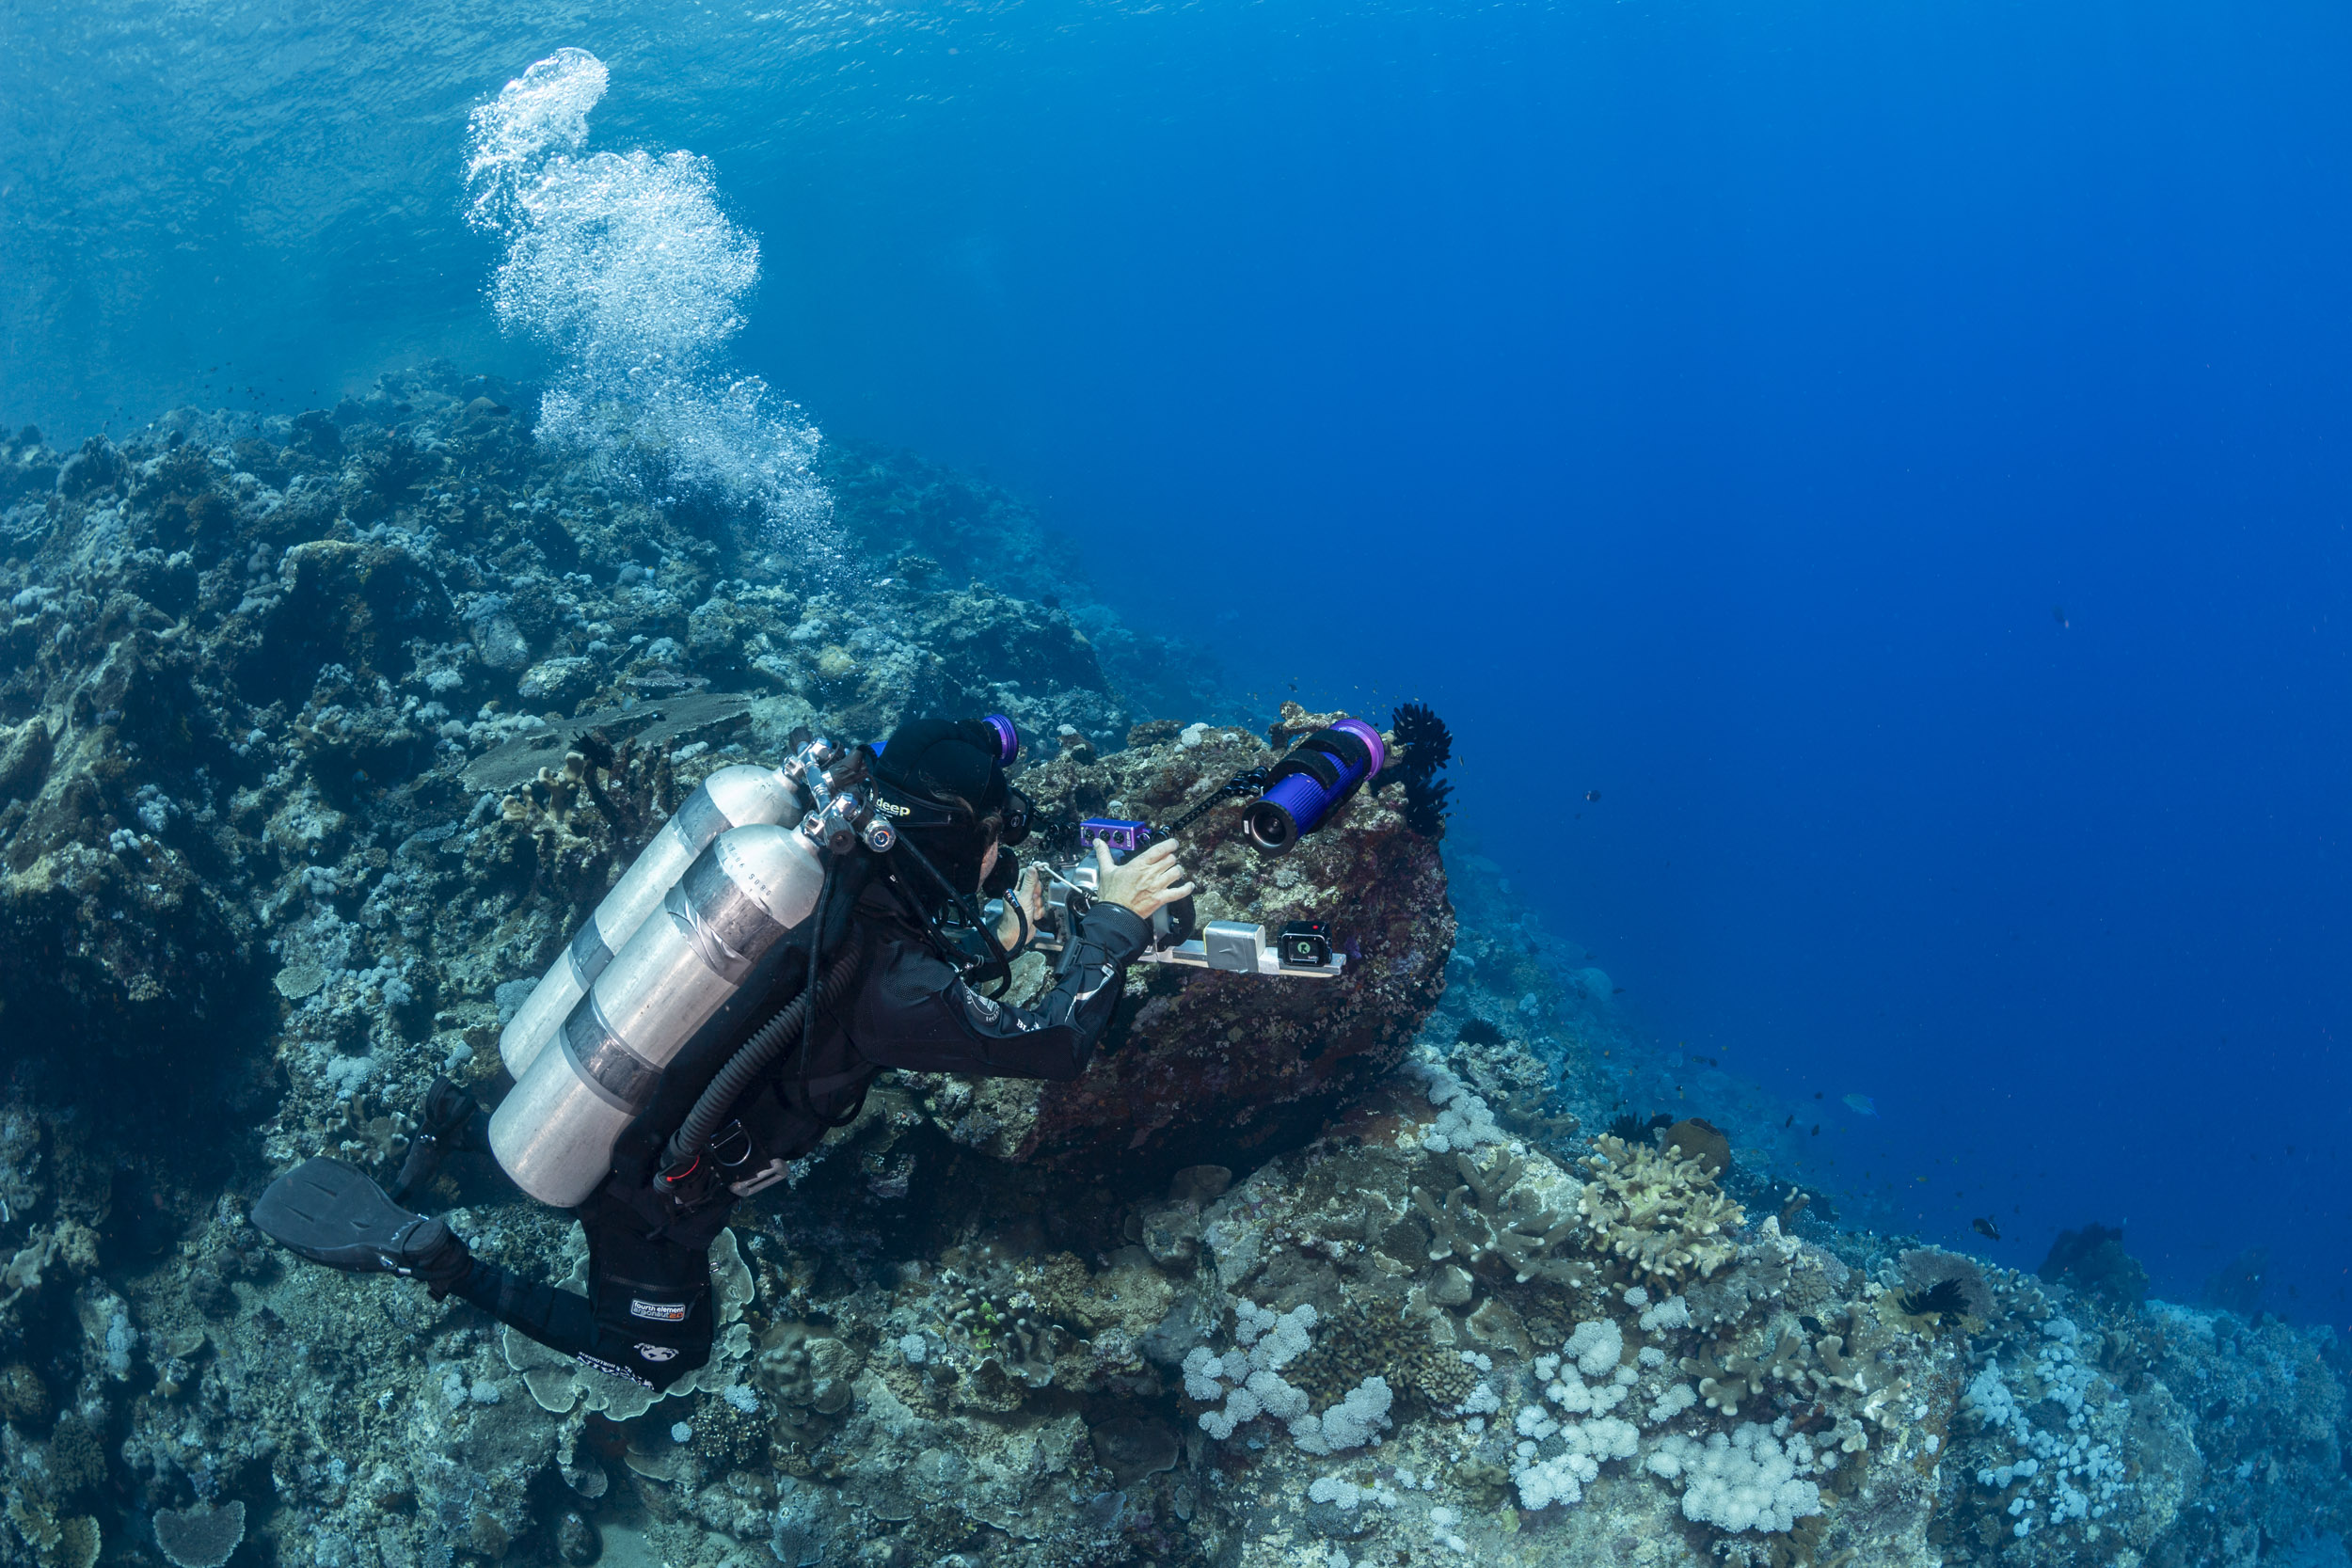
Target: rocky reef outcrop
1200 1066
318 735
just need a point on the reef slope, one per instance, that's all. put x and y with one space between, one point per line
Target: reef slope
318 735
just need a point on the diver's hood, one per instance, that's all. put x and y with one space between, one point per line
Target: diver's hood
934 779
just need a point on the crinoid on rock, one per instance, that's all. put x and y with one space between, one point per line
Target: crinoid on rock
1633 1128
1944 1296
1428 747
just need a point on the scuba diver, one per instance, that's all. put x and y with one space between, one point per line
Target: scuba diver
884 976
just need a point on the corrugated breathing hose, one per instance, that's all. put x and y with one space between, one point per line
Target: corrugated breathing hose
753 1058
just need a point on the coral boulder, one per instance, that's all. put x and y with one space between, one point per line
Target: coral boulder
1200 1063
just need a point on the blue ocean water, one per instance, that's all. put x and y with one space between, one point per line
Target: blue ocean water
1892 455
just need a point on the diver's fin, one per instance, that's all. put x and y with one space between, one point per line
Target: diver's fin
333 1214
446 1120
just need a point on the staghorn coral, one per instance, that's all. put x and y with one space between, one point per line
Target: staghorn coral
1659 1210
71 1542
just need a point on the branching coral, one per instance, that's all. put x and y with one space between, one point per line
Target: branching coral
1507 1221
1785 1363
1727 1381
1659 1211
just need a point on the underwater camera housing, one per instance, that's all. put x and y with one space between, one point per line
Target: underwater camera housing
1314 777
1302 949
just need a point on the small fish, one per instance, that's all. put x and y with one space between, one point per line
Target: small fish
1984 1227
2058 613
1592 795
1862 1104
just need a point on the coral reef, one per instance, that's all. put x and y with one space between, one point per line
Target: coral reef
318 735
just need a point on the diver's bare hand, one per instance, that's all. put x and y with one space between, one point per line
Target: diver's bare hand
1145 884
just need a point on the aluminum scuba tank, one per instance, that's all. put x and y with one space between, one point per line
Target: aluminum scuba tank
554 1134
731 798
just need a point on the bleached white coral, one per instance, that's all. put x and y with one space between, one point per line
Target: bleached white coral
1562 1478
1342 1494
1989 1400
1678 1398
1463 1120
1481 1401
1571 1394
1249 1379
1595 1347
1350 1423
1202 1368
1745 1481
1554 1481
1674 1312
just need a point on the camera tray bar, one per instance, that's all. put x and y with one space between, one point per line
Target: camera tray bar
1239 947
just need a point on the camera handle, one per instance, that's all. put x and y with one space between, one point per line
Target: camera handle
1247 782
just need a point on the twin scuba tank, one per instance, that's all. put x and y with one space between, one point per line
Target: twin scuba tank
722 883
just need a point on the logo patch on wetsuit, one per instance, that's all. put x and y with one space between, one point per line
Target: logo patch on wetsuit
658 1311
611 1371
983 1009
655 1353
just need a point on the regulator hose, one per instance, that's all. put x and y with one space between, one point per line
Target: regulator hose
753 1057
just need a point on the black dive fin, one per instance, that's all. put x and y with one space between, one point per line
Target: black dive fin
333 1214
448 1119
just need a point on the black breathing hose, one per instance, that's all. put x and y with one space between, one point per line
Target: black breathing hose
754 1057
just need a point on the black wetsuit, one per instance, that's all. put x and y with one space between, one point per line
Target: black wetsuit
649 1314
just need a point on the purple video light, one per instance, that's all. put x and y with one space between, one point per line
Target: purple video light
1124 836
1296 803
